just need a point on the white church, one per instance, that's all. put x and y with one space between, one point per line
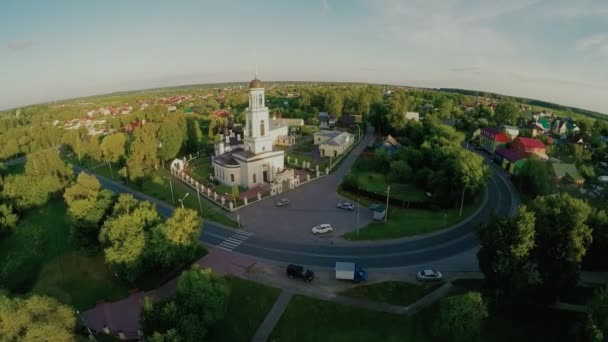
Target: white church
252 160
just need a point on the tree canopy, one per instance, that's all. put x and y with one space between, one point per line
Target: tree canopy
461 317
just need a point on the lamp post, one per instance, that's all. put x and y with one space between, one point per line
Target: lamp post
171 187
91 336
388 193
358 206
200 205
181 200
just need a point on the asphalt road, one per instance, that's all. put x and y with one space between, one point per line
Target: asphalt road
501 198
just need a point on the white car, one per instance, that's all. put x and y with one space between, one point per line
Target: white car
428 275
282 202
346 206
322 229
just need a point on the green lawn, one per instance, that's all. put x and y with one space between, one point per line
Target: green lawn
59 268
409 222
392 292
156 184
307 319
306 146
376 182
201 168
248 305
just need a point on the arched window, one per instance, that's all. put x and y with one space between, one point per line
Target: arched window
255 180
262 128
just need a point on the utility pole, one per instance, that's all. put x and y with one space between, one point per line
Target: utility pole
358 206
171 186
198 194
388 193
462 201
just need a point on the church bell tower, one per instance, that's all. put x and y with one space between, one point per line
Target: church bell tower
257 127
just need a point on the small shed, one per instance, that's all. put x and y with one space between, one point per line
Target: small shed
378 211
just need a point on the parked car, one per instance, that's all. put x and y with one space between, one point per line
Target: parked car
346 206
300 272
322 229
428 275
282 202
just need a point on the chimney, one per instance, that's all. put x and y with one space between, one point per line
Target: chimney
238 137
220 148
227 139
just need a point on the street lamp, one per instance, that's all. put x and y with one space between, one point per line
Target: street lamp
358 206
91 336
171 186
388 193
181 200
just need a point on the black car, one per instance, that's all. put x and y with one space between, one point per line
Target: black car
297 271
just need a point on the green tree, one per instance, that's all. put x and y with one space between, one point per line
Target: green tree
124 235
195 136
202 292
598 315
596 255
87 204
534 178
113 148
400 171
49 164
8 219
25 192
170 140
334 102
36 319
142 152
235 193
504 254
507 113
461 317
176 240
562 238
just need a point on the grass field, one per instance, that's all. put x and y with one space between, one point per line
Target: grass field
307 319
392 292
409 222
59 269
248 305
376 182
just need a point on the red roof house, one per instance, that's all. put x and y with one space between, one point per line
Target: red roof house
530 146
491 139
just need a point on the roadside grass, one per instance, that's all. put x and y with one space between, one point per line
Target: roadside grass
308 319
377 183
59 268
409 222
392 292
156 184
248 305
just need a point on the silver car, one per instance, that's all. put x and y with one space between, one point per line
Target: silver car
282 202
429 275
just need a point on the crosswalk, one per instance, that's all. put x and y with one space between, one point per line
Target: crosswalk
234 240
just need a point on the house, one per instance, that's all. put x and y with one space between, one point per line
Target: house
491 139
349 120
323 119
568 173
389 145
511 131
412 116
285 140
291 122
530 147
509 159
333 143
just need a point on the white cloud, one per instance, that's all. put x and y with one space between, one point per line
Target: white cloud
20 44
596 43
324 7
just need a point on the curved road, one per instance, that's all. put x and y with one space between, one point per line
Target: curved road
501 198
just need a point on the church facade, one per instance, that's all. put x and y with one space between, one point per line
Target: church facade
254 161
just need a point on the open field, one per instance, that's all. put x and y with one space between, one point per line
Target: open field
57 267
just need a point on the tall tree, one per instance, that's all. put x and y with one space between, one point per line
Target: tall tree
176 240
8 219
562 238
507 113
124 236
461 317
506 246
170 140
113 148
534 178
596 256
202 292
48 163
598 315
87 206
142 152
36 319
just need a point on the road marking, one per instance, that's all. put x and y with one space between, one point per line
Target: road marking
233 241
226 249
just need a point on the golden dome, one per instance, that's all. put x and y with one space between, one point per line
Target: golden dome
256 84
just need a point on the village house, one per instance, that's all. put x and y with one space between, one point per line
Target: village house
491 139
509 159
326 121
389 145
412 116
530 147
567 173
333 143
511 131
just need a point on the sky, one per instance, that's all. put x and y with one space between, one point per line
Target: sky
554 50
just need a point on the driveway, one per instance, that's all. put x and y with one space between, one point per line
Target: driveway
311 204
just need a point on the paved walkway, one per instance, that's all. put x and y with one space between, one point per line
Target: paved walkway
273 317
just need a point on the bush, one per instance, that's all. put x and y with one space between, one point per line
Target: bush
461 317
